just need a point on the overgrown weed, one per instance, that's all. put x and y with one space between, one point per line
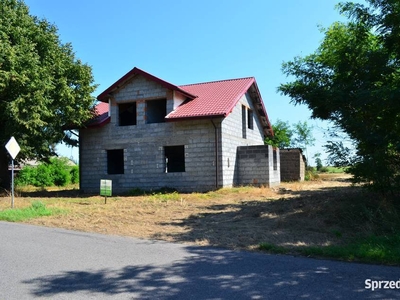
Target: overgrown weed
37 209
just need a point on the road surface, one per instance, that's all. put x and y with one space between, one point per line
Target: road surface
40 262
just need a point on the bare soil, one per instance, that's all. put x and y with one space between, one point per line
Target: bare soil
293 214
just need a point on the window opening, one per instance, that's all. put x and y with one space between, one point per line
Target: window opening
243 121
275 159
174 159
115 161
156 110
127 114
250 124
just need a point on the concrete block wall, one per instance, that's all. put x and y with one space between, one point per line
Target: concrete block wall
140 88
256 166
144 159
143 145
292 165
232 137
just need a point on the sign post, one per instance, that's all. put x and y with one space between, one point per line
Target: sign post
105 189
13 149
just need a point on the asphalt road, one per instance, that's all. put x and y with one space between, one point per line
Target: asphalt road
39 262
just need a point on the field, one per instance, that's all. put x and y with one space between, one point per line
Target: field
316 218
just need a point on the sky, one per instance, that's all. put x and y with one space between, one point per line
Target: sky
185 42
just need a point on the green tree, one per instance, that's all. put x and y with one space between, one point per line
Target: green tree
318 161
298 135
303 137
282 135
353 80
43 87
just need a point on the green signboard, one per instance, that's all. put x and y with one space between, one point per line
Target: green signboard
105 187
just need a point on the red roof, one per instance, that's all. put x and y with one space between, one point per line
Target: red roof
203 100
214 99
102 117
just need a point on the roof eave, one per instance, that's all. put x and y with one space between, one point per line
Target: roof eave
262 112
199 117
100 124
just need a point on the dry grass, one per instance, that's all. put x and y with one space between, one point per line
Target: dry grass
293 214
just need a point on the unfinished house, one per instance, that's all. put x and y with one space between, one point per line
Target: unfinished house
150 134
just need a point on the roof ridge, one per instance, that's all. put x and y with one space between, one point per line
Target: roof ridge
132 73
216 81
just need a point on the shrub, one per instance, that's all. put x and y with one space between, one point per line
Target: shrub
43 176
60 171
55 172
323 170
310 174
318 161
74 174
26 176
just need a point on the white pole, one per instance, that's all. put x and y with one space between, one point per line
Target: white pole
12 183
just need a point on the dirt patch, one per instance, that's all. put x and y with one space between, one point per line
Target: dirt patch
293 214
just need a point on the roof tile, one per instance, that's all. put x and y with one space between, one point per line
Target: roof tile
215 98
102 117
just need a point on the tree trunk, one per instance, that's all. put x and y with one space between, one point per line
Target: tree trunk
5 175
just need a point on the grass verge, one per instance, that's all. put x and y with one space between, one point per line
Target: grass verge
271 248
361 226
36 210
370 249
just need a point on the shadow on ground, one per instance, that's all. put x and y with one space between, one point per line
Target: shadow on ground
299 218
219 274
52 194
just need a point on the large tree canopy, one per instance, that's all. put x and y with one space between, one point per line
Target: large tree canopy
353 80
43 87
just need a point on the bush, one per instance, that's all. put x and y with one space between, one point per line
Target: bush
323 170
60 171
74 174
310 174
43 176
26 176
55 172
318 161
